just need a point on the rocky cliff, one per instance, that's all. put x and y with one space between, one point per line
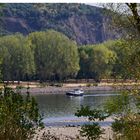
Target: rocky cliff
83 23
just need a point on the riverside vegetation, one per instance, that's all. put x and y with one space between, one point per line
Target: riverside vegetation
124 109
19 116
52 56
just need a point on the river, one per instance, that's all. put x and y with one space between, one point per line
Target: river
59 109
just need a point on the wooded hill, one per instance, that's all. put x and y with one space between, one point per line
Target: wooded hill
83 23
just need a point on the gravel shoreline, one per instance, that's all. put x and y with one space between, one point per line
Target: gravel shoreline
63 90
69 133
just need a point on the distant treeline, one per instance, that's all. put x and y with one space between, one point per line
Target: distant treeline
50 55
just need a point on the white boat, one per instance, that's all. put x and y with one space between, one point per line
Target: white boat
75 92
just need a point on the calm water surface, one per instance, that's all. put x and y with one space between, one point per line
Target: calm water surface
57 107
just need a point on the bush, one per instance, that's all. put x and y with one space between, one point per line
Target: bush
88 85
125 111
59 84
95 84
19 116
43 84
91 131
18 88
56 84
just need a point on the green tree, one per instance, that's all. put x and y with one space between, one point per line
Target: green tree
17 57
102 60
125 108
55 55
19 116
96 61
127 58
125 111
84 71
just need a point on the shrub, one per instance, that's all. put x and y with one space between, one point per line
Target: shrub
95 84
59 85
19 116
91 131
88 85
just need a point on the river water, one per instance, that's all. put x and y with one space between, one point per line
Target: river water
55 108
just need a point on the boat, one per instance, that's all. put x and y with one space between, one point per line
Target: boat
75 92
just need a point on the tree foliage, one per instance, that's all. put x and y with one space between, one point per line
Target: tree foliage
134 8
19 116
91 131
64 18
127 61
96 61
125 110
50 55
17 57
46 55
125 19
55 55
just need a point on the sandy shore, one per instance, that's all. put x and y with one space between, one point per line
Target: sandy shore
37 88
62 90
72 132
68 133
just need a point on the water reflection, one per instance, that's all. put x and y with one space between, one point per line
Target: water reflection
60 105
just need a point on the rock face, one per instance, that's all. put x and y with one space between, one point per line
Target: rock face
83 23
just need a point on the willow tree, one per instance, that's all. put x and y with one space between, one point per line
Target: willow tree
55 55
17 58
96 61
102 60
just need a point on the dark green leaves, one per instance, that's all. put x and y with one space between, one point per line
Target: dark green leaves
91 131
17 57
91 114
56 56
19 116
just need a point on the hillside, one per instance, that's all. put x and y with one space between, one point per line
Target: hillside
83 23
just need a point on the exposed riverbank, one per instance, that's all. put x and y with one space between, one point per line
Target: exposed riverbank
72 132
35 88
62 90
69 133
